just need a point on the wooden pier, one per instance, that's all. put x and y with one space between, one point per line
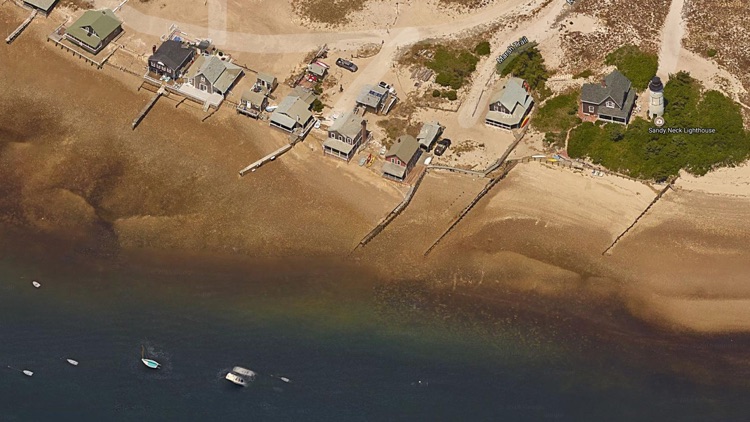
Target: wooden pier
148 107
21 27
270 157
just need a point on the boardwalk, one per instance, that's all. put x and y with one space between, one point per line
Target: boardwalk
148 107
21 27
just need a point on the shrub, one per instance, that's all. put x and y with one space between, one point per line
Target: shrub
528 65
452 66
317 105
636 65
711 52
436 93
558 114
583 75
483 48
443 79
451 95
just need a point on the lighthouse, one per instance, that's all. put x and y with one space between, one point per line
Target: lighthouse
656 100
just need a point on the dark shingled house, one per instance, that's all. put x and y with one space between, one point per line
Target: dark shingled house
611 100
171 59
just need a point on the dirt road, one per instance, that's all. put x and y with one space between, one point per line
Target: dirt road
671 40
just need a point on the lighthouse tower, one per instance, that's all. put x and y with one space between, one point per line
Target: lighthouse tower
656 100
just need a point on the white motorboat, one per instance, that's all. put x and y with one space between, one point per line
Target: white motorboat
240 376
72 362
36 284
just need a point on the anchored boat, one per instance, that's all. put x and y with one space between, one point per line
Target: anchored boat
148 362
36 284
240 376
72 362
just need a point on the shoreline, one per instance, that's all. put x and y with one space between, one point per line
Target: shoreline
172 186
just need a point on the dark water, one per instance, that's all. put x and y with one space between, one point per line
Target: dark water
346 360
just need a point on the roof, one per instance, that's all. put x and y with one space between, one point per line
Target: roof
316 69
615 86
305 95
254 97
102 22
172 54
513 94
293 109
404 148
623 112
219 73
338 145
45 5
428 133
348 125
371 95
394 170
266 77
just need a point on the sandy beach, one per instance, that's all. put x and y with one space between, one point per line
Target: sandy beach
72 169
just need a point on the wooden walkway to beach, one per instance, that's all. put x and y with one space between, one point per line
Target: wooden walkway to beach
13 35
148 107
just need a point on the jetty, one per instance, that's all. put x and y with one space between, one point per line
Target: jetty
148 107
270 157
13 35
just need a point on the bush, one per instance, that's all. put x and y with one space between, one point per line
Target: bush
453 67
317 105
583 75
451 95
558 114
711 52
436 93
483 48
528 65
636 65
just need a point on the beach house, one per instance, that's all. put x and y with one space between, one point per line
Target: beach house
253 102
510 105
171 59
401 157
429 133
345 135
266 81
94 30
293 113
610 100
377 98
212 74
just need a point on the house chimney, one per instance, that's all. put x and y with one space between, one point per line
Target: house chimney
153 49
604 82
364 130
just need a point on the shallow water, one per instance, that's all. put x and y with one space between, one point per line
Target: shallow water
347 361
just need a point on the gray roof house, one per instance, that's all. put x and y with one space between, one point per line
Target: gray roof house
266 81
377 98
212 74
510 105
345 135
429 134
611 100
94 30
317 69
253 102
294 111
401 157
44 6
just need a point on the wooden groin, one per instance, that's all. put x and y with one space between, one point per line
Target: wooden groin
270 157
393 214
508 167
21 27
630 227
148 107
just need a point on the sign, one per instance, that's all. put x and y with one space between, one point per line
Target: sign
511 48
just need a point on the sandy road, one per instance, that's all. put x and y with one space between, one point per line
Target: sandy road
671 40
537 30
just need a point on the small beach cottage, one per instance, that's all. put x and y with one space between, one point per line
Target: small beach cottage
94 30
429 133
401 158
43 6
171 59
345 135
253 102
612 100
212 74
510 105
293 113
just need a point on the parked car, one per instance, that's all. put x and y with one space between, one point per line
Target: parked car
441 146
346 64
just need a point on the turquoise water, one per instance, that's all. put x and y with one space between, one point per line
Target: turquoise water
348 357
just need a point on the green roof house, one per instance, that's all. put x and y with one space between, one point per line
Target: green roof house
94 30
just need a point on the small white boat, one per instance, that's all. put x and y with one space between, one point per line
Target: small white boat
240 376
148 362
36 284
72 362
271 108
285 379
27 372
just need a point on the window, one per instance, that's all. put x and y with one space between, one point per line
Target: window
610 104
591 109
655 101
